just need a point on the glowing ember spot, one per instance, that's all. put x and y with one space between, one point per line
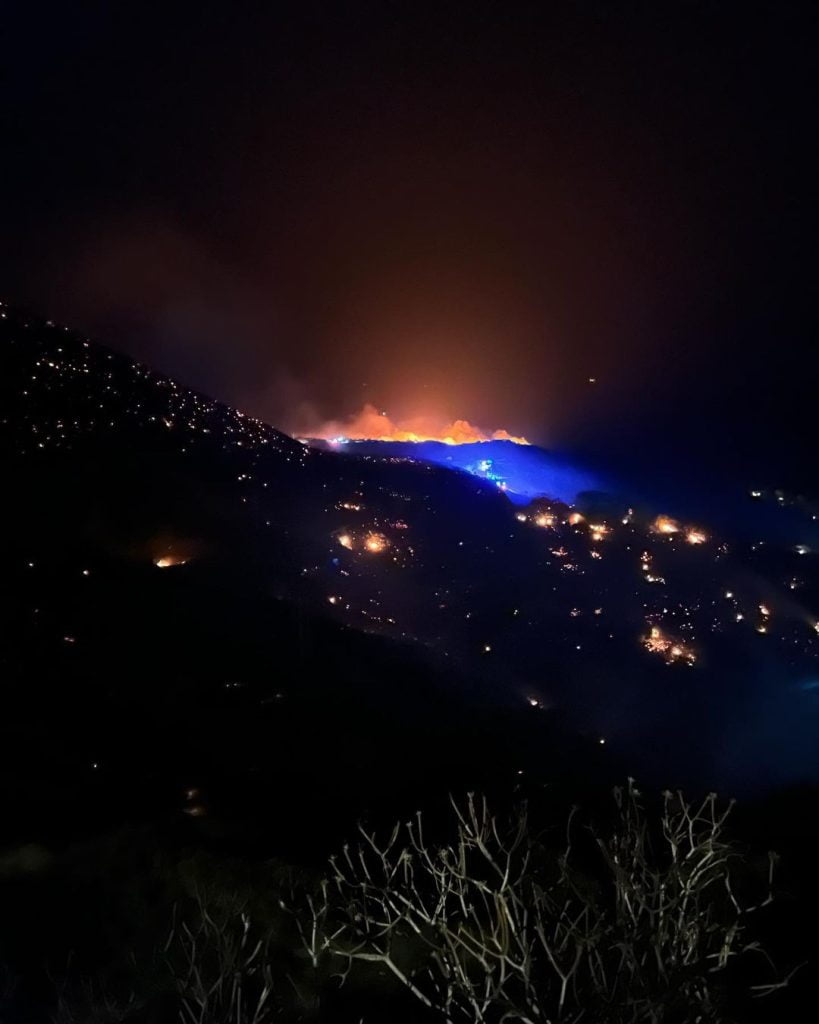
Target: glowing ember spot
370 424
521 517
346 541
673 650
375 543
695 536
665 524
764 610
598 530
544 520
167 561
575 518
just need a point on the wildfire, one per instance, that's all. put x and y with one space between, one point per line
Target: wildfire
375 543
665 524
169 560
658 643
371 425
694 536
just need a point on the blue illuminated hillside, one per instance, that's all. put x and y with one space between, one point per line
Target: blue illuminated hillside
524 472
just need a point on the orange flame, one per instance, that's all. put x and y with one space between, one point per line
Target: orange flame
371 425
167 561
665 524
375 543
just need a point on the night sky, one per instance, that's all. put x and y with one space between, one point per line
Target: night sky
458 209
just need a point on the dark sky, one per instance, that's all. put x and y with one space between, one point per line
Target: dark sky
465 209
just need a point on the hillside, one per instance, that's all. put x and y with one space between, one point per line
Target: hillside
179 568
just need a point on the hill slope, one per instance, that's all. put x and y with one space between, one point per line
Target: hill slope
183 573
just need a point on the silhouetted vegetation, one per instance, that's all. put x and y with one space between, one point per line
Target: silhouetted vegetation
625 914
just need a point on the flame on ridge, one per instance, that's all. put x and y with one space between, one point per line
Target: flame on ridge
371 425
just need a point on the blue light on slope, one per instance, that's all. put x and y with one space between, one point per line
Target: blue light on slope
522 472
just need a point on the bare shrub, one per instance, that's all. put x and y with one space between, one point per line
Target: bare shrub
221 968
492 928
